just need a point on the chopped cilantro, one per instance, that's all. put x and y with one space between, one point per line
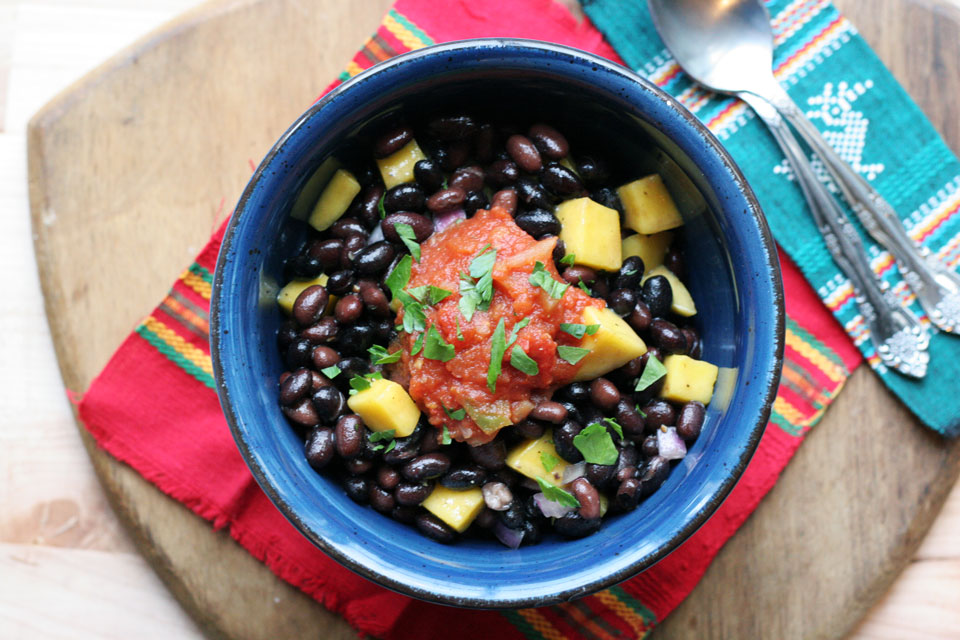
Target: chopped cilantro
418 292
383 212
615 426
436 348
413 317
437 294
358 384
573 355
516 330
596 445
379 355
583 287
429 294
498 347
548 460
459 414
579 330
379 436
652 371
476 289
469 297
641 412
568 259
520 361
408 238
417 345
629 272
459 333
400 276
331 372
557 494
446 436
542 278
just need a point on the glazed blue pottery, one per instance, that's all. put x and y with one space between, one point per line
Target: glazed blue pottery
733 274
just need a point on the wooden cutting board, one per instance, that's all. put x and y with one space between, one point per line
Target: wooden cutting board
132 168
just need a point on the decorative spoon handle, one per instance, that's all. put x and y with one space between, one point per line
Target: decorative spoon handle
936 286
899 338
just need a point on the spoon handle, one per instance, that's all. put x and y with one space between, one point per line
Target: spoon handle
936 286
899 338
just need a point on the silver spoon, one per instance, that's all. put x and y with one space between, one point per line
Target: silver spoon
727 46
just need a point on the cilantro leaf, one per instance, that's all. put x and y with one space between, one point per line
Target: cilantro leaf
459 333
331 372
413 317
383 212
522 362
498 347
379 436
436 348
583 287
557 494
379 355
568 259
437 294
542 278
579 330
408 238
573 355
652 371
446 436
358 384
641 412
469 298
615 426
459 414
516 330
399 277
418 292
417 345
596 445
548 460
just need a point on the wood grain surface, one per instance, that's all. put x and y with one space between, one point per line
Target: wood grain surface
162 137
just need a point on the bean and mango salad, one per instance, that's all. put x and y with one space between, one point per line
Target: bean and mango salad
489 333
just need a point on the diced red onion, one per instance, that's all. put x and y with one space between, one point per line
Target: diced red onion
444 220
550 508
376 235
669 444
574 471
510 537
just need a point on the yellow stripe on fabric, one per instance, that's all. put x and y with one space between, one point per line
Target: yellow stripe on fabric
353 68
541 624
521 624
197 283
788 411
636 621
195 356
830 369
173 356
401 33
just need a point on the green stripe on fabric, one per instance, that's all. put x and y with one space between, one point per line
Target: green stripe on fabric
343 77
414 29
175 357
785 425
522 625
203 272
634 604
815 342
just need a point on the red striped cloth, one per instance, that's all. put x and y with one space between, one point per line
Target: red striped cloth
154 407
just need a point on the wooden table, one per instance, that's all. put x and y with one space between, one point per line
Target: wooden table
67 569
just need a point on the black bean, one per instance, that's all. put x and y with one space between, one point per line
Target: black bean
626 466
604 394
640 318
629 418
348 309
599 475
381 499
692 340
288 332
524 153
352 366
327 252
659 413
346 227
502 173
592 170
351 247
295 387
301 413
404 514
529 429
549 411
434 528
355 340
383 328
411 494
375 301
320 447
340 282
513 516
573 525
357 466
392 141
505 199
573 411
464 477
538 222
674 262
576 391
430 442
532 194
318 381
632 369
588 497
350 436
329 403
628 494
357 489
563 441
468 178
560 180
388 478
579 273
324 330
667 336
453 155
426 467
690 420
486 519
310 305
446 200
652 352
305 266
507 476
374 258
658 295
422 225
404 197
623 301
428 174
299 353
600 288
630 274
650 448
559 251
484 142
549 141
653 475
475 201
453 127
490 456
608 198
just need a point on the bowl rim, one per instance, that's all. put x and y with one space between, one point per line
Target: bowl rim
771 377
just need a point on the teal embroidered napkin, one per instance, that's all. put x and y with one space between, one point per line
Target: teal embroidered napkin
831 72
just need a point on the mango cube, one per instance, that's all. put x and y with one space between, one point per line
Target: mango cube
591 232
397 168
527 458
385 405
312 188
688 379
682 304
335 200
456 508
288 295
651 249
647 205
612 346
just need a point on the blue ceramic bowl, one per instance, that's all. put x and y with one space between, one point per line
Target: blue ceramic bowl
733 273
